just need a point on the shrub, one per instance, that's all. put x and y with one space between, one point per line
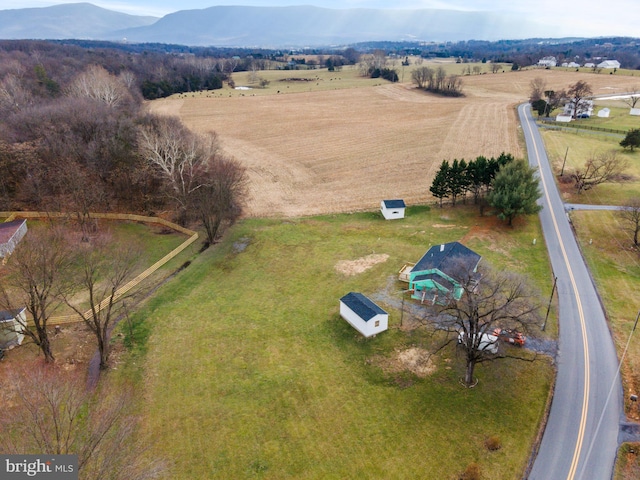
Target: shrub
472 472
493 443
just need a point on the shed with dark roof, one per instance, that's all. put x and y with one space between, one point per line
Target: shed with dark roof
392 209
438 275
363 315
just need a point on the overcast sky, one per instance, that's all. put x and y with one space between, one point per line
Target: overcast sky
571 17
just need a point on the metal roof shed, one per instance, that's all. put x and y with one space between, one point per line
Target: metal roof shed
392 209
363 315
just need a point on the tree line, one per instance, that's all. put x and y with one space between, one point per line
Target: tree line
437 81
456 180
76 139
508 185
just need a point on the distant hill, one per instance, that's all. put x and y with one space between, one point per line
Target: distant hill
263 26
72 20
306 25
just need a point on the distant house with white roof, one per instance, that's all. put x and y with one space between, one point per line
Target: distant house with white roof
547 62
609 64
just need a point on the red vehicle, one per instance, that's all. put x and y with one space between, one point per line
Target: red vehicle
510 336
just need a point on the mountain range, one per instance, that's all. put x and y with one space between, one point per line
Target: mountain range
240 26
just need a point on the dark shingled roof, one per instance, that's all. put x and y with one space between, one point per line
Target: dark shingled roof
446 258
9 314
360 304
394 203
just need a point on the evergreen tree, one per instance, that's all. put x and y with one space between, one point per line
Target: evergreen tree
515 191
440 186
632 139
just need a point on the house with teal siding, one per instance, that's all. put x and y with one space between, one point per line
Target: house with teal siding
436 276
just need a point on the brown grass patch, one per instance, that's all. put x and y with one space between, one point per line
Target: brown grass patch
415 360
354 267
346 149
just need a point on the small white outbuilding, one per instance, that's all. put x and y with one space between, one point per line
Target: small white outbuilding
363 315
634 111
604 112
12 328
392 209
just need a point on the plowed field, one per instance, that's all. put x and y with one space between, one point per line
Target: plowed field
345 150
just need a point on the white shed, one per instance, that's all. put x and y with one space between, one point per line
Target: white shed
363 315
604 113
392 209
564 118
634 111
11 327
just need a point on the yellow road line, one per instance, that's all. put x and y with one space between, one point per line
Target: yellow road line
587 373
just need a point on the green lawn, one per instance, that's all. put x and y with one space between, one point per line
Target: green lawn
250 372
582 145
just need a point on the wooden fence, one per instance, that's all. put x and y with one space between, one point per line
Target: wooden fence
193 236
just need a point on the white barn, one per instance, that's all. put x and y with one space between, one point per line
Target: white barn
363 315
604 113
609 64
392 209
11 328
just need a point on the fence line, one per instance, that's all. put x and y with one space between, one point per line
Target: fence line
75 318
583 127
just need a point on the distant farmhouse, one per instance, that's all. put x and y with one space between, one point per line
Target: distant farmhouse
547 62
10 235
585 109
437 275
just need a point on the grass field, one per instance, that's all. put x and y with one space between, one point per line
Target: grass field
250 371
342 143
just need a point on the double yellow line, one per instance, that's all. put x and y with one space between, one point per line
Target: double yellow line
583 326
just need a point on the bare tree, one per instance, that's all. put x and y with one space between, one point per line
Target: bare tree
633 99
103 272
54 414
495 67
538 86
490 299
180 156
221 195
33 279
98 84
422 76
630 214
600 168
577 95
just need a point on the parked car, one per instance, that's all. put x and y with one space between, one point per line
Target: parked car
488 343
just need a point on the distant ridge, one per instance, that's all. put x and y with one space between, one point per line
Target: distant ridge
70 20
262 26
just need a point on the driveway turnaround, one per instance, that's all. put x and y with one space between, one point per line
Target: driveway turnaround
581 436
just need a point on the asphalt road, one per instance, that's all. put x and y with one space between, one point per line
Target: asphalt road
581 436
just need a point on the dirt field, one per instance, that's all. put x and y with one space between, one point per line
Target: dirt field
346 149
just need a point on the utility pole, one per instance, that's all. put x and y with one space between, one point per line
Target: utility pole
564 161
553 289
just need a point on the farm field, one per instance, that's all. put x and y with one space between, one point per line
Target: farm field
344 149
250 371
